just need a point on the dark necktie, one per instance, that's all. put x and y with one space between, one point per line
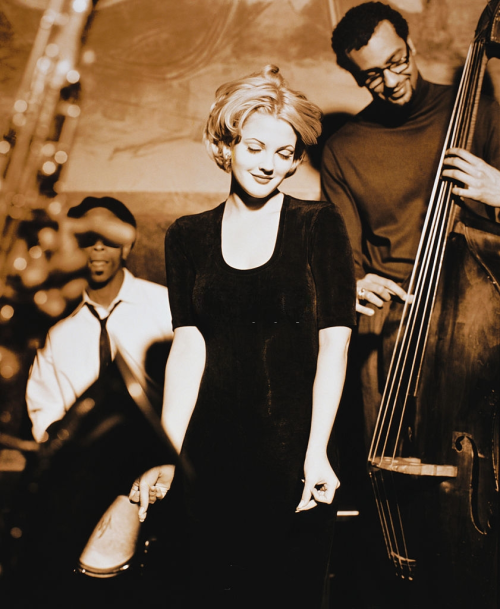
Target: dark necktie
104 344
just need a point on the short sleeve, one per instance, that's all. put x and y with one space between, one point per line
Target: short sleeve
180 277
332 266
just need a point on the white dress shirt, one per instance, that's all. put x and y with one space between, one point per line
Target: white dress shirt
69 361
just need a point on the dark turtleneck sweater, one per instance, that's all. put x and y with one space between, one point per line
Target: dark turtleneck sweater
379 169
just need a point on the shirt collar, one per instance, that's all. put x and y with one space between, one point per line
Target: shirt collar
391 115
127 293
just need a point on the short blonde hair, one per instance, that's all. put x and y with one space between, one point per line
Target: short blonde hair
264 91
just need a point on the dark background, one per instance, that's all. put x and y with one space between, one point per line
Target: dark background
151 71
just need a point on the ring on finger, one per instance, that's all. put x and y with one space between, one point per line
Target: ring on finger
361 293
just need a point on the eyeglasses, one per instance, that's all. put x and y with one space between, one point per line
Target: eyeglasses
372 79
90 239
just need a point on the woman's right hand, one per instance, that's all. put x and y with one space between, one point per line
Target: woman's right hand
152 485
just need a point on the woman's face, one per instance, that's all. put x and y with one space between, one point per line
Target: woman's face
263 157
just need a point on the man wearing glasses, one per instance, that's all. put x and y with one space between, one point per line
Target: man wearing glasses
379 168
118 312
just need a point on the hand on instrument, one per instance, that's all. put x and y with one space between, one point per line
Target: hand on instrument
481 181
152 485
320 484
376 290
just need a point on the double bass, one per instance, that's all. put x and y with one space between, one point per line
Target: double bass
434 456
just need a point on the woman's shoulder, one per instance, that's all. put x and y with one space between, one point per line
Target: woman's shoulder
194 223
314 209
322 219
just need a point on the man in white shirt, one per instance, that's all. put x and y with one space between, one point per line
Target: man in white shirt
76 349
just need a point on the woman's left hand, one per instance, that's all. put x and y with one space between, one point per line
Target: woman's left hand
320 483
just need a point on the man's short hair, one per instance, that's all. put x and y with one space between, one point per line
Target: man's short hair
113 205
356 28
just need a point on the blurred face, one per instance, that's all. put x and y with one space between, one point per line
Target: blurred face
263 157
386 64
104 258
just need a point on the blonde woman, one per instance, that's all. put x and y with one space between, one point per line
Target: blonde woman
262 295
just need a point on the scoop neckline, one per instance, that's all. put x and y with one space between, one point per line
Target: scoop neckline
277 245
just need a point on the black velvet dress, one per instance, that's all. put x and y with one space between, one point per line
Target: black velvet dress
248 434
